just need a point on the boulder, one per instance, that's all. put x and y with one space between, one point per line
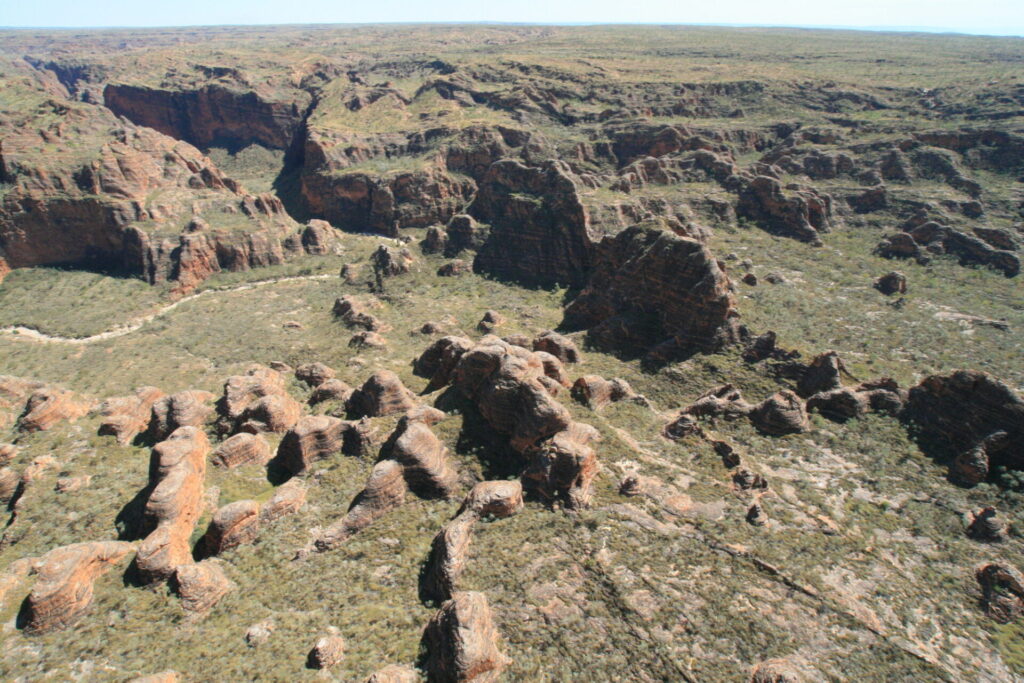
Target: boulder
242 449
839 404
780 413
314 374
1002 591
176 471
893 282
596 392
489 321
559 346
260 632
461 642
823 374
384 491
775 671
361 438
988 526
326 653
330 390
494 499
64 588
455 268
287 499
382 394
48 406
257 402
435 240
391 261
9 481
126 417
724 401
314 437
393 673
367 340
973 415
318 238
553 369
201 585
354 313
232 525
184 409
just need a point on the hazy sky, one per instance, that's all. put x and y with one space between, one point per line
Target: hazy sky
1005 17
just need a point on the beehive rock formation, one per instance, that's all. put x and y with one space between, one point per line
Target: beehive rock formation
780 413
64 587
461 642
651 288
385 490
257 402
241 449
597 392
972 414
49 405
126 417
184 409
382 394
424 459
201 585
241 521
176 471
314 437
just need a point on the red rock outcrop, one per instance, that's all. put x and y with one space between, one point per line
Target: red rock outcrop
201 585
314 437
382 394
385 490
48 406
331 390
823 374
559 346
562 468
314 374
64 587
461 642
354 313
326 653
393 673
427 468
1002 588
240 522
257 402
126 417
803 213
176 471
184 409
780 413
438 361
596 392
493 499
241 449
447 559
972 414
651 288
539 232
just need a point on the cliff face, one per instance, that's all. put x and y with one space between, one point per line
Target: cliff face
539 226
651 287
211 115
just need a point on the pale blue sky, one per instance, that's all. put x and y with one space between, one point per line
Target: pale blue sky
1001 17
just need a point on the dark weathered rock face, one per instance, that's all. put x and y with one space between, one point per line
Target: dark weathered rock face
210 116
977 417
539 231
651 287
801 212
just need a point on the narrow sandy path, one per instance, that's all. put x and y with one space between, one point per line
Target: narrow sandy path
28 333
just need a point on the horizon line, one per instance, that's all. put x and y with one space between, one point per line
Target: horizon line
1017 32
